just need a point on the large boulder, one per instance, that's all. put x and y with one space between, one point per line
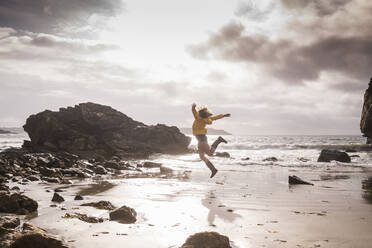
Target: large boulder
329 155
34 237
90 129
366 120
125 215
207 240
16 203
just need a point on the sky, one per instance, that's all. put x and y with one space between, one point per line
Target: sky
278 66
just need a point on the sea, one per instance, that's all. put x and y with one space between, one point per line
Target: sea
246 150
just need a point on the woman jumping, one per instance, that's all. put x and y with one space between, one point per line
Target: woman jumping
204 117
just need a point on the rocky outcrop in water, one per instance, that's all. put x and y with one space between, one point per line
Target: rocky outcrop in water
207 240
90 129
366 121
329 155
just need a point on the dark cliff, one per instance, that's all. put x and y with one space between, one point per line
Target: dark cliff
366 121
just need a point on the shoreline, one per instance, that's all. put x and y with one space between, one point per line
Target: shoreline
262 211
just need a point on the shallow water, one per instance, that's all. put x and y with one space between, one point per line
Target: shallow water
249 201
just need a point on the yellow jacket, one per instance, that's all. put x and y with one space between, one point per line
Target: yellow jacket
198 127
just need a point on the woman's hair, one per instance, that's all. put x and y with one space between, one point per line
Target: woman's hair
204 112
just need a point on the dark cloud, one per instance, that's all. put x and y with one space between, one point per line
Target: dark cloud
251 11
287 60
321 7
50 16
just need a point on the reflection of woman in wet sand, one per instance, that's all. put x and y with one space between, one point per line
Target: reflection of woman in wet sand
217 209
204 117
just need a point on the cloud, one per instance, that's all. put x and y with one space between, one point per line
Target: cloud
51 16
306 49
30 46
252 11
320 7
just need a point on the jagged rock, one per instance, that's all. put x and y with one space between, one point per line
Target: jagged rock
329 155
207 240
57 198
125 215
270 159
90 129
100 205
296 180
78 198
4 187
65 181
303 159
222 154
149 164
366 120
33 237
100 170
8 222
112 164
47 172
33 178
51 180
16 203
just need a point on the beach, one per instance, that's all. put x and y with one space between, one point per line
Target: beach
251 202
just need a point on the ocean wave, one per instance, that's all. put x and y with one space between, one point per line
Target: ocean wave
356 147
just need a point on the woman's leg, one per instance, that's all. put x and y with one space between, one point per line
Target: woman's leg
216 143
203 148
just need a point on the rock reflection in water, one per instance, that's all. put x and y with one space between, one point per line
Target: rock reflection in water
367 187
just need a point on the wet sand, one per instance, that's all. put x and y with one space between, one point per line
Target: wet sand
254 207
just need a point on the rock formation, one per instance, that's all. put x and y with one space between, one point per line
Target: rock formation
329 155
90 129
366 121
14 236
16 203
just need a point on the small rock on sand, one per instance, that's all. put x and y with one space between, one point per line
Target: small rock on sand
271 159
57 198
78 198
296 180
125 215
207 240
